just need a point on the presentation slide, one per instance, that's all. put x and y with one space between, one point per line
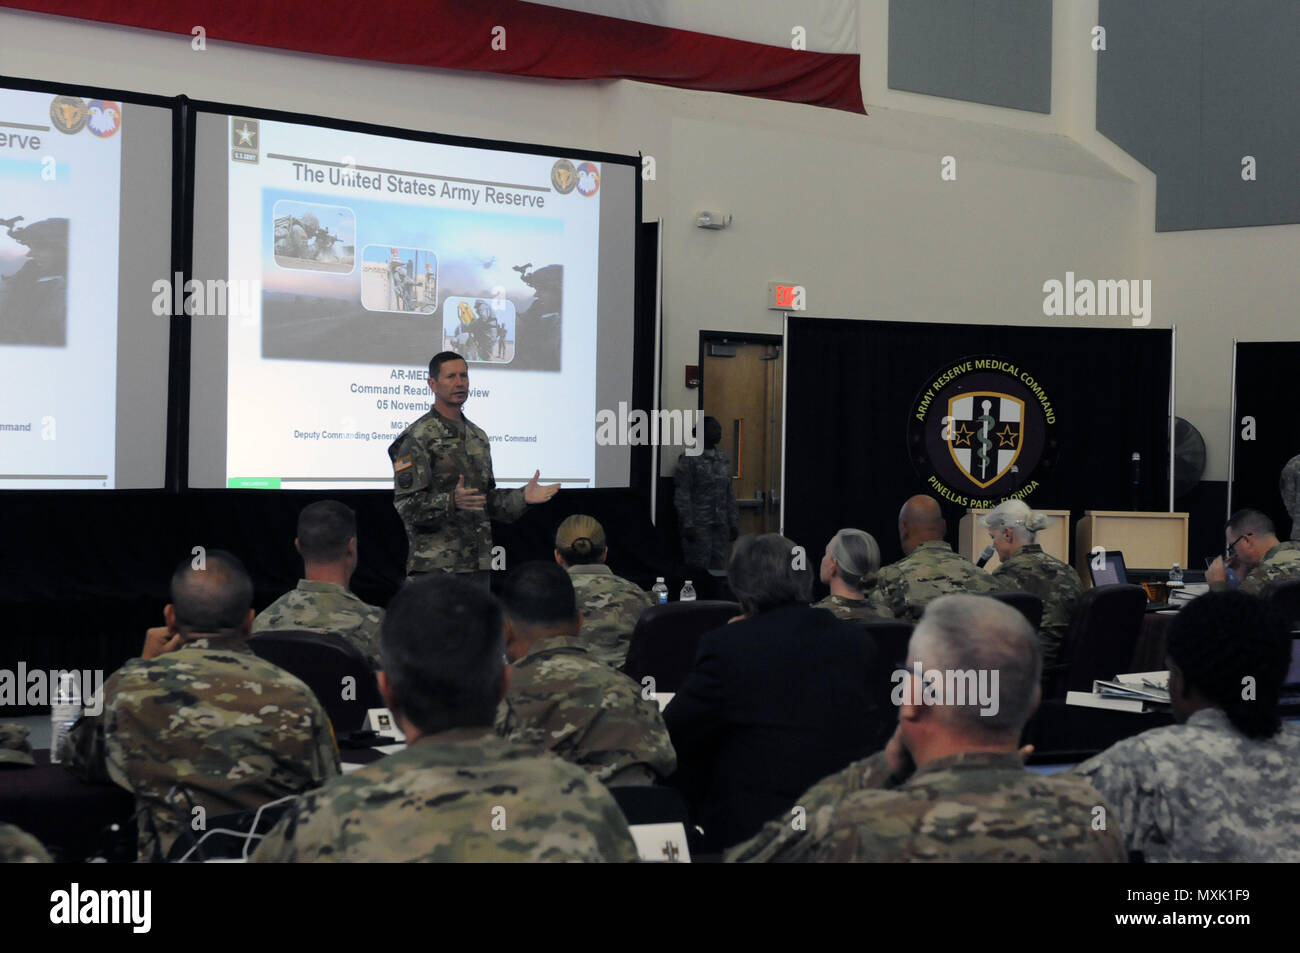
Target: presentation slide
83 356
348 260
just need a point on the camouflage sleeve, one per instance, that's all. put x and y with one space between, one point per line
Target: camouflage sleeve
1117 774
887 597
19 847
82 751
682 491
326 749
282 845
414 497
505 506
1255 583
800 836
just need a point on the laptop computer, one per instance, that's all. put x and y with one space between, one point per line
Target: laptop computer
1112 571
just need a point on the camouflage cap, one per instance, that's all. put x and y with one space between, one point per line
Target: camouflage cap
14 746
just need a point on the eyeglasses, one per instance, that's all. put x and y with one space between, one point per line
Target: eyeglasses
1232 546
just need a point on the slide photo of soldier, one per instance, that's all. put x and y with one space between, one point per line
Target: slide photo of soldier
502 260
33 278
399 279
314 237
479 329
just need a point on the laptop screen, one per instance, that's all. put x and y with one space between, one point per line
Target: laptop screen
1293 676
1112 570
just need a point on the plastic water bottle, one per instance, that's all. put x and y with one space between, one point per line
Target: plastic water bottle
64 711
688 592
1176 577
660 591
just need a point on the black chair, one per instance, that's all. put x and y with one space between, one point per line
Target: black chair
667 638
651 804
1102 637
1286 600
1026 603
324 661
892 635
224 835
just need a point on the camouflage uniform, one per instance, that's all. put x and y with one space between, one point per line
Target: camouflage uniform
972 807
1056 583
227 729
1203 791
856 610
563 700
932 570
610 606
457 796
317 606
19 847
428 459
706 502
15 748
1280 564
1289 486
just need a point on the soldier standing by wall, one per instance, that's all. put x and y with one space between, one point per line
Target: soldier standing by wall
706 502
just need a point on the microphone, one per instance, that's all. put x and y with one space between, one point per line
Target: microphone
1137 477
985 556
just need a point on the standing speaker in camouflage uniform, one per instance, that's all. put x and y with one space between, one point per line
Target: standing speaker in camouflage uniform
610 604
1013 527
443 487
849 567
707 514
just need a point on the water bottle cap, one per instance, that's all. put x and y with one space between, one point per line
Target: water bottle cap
659 578
688 582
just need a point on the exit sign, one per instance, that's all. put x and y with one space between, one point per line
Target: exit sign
786 297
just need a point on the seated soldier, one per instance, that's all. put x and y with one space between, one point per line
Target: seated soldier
951 784
1255 551
562 699
849 568
929 568
199 725
322 602
1013 527
610 604
457 792
1223 784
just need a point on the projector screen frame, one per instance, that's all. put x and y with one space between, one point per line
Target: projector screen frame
177 254
645 330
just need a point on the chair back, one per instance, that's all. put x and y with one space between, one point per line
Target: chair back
1026 603
324 661
667 638
1102 637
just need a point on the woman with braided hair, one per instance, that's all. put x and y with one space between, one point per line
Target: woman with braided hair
849 567
609 604
1224 783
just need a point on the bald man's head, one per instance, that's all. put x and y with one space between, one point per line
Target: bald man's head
919 521
215 599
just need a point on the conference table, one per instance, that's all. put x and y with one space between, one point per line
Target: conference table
71 816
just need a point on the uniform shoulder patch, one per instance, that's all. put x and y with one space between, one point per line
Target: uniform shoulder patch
402 463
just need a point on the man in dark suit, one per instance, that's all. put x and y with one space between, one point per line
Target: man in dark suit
777 699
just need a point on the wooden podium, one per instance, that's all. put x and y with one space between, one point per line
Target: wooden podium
1147 540
972 537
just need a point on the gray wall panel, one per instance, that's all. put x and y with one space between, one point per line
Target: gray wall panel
1187 87
997 52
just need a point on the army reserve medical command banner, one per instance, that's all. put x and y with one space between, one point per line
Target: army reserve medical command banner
972 415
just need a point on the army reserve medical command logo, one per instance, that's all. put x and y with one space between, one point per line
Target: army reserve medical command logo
982 430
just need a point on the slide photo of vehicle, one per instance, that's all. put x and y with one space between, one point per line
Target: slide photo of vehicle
315 237
33 276
479 329
503 259
399 279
